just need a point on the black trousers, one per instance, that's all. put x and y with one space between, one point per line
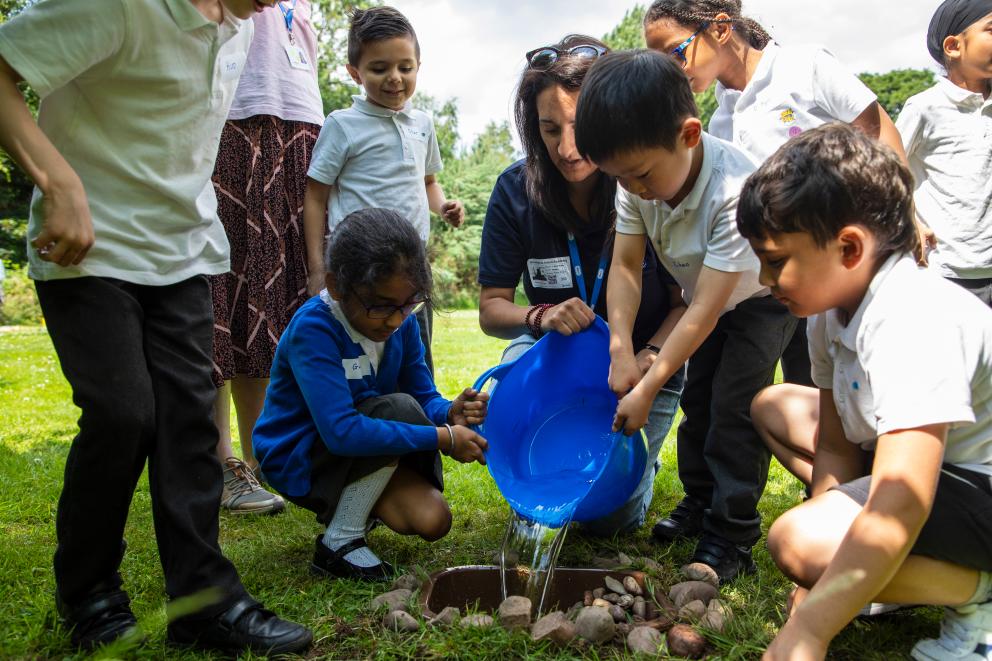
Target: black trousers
138 359
796 366
722 461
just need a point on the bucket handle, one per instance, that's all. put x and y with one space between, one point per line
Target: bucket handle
497 372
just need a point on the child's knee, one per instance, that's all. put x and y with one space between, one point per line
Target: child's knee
787 548
436 521
404 408
764 404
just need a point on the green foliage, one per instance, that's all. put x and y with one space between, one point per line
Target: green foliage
20 301
894 87
331 20
629 32
470 179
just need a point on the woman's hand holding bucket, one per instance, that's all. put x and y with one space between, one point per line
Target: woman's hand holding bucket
571 316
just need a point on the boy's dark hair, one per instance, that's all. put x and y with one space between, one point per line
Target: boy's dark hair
693 14
632 100
828 178
546 188
376 24
372 245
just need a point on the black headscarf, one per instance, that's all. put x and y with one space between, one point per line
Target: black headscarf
953 17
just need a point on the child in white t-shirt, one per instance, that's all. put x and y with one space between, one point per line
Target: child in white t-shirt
380 152
897 451
766 93
679 190
947 131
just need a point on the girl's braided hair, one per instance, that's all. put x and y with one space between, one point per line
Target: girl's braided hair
693 13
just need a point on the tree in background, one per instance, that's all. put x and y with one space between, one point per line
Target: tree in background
629 33
330 20
894 87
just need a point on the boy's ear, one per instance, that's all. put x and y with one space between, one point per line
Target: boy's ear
952 47
692 132
355 75
722 28
855 245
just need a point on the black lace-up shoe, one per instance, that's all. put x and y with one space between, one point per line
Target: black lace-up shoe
685 522
727 559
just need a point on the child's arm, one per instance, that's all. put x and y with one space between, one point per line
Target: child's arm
67 231
836 460
904 480
713 290
451 210
314 225
623 299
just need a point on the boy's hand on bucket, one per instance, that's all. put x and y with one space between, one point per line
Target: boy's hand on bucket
632 412
624 374
468 446
469 408
568 318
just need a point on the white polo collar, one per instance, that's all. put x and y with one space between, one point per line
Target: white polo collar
960 96
847 335
363 105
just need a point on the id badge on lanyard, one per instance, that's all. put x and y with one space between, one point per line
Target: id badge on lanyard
297 58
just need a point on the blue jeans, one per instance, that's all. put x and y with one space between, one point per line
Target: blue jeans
632 514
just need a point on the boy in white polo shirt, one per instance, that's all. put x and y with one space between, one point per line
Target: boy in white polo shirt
637 120
947 131
897 450
123 232
380 152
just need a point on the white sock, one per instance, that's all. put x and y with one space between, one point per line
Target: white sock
352 515
983 592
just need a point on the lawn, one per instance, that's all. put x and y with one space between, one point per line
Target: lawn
37 423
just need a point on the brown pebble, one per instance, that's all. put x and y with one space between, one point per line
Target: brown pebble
598 593
631 585
698 571
446 618
477 620
682 593
400 621
644 640
625 601
587 598
514 612
555 627
713 619
612 597
619 614
595 625
639 607
692 611
683 640
601 603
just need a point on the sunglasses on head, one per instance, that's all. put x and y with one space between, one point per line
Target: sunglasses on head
544 57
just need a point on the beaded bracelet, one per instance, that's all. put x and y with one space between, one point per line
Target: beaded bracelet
527 323
543 307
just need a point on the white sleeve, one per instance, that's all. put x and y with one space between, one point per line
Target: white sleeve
910 393
329 153
52 43
726 249
838 91
630 220
821 364
910 125
434 164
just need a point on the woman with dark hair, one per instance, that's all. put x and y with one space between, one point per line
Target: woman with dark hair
550 220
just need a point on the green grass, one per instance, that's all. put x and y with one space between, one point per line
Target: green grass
38 421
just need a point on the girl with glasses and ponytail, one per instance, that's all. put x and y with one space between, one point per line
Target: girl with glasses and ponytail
766 93
550 222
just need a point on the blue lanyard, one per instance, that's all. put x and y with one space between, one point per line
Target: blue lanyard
580 280
288 15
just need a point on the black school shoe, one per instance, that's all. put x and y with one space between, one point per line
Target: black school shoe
727 559
685 522
332 563
245 626
102 617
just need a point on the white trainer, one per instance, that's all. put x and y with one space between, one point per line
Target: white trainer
965 635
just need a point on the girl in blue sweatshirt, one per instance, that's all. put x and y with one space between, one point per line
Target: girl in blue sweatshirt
353 423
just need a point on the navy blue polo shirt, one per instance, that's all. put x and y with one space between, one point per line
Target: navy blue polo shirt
518 241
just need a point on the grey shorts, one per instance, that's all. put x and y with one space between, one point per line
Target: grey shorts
959 529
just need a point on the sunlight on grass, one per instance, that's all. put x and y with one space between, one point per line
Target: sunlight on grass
38 421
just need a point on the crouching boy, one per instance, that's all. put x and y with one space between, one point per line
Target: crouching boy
896 440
